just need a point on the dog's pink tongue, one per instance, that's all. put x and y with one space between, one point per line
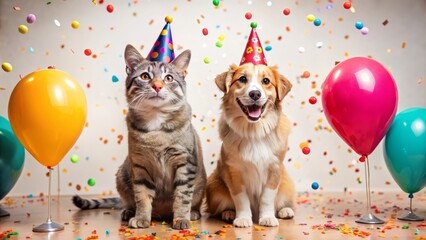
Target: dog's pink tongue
254 111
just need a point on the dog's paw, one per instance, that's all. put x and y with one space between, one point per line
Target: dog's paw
268 221
139 222
228 215
181 223
243 222
286 213
126 214
195 215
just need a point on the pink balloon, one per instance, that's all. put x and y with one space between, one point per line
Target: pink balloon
360 99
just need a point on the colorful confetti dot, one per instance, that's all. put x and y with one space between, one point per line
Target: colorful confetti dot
7 67
91 182
31 18
317 22
205 31
74 158
347 5
359 25
23 29
114 79
286 11
306 150
248 15
110 8
310 18
216 2
75 24
315 185
87 52
364 31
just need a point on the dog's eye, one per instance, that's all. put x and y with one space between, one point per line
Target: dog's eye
242 79
145 76
169 78
265 81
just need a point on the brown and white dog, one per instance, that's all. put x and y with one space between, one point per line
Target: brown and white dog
250 181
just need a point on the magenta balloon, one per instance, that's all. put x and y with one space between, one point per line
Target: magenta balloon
360 99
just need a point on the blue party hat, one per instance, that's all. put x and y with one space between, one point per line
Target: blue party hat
163 51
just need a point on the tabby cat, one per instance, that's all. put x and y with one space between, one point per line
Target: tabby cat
163 176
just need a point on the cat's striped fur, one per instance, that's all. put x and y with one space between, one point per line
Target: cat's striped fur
163 175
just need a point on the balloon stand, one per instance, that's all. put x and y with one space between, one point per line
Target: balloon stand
369 218
49 225
410 216
3 213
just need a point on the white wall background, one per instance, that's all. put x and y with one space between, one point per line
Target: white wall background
139 23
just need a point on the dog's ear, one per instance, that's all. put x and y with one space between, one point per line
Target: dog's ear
283 84
223 80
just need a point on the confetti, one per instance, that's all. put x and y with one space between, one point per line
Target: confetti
75 24
347 5
31 18
23 29
110 8
205 31
91 182
286 11
7 67
74 158
359 25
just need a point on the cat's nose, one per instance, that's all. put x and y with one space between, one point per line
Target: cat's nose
157 88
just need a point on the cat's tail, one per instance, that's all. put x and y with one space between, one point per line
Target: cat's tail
84 204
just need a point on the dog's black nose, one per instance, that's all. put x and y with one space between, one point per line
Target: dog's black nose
255 94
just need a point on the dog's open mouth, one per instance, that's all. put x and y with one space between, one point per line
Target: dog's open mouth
253 112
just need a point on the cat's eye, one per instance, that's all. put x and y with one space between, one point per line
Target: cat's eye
265 81
242 79
145 76
169 78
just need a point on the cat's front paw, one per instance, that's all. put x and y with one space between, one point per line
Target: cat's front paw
181 223
286 213
139 222
243 222
271 221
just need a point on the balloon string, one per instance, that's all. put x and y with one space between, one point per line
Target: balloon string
411 205
48 196
367 184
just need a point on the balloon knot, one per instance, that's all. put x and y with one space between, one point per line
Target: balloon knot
362 158
410 195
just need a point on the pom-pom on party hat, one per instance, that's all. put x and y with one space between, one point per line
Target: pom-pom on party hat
163 51
253 53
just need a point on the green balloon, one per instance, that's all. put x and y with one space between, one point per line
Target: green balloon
405 149
12 155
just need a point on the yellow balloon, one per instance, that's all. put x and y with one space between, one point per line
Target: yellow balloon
47 112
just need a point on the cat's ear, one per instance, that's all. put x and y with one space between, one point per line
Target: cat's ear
223 80
132 58
181 62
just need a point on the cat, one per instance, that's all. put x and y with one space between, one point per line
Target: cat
163 175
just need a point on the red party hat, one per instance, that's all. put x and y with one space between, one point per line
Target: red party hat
163 51
253 52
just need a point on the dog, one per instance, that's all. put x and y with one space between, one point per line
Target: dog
250 181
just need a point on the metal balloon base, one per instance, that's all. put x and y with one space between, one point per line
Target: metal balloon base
410 216
369 219
4 213
48 226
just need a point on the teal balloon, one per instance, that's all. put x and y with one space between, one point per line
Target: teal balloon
12 156
405 149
